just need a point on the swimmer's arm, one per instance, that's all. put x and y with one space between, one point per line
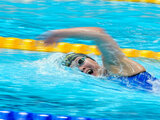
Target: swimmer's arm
113 59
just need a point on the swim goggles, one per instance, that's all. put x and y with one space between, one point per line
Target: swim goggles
78 62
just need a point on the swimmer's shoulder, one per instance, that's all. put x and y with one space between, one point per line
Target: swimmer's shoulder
127 67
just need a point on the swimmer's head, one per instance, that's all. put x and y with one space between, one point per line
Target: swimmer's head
69 58
85 64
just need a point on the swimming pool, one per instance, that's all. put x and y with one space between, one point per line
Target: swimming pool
36 82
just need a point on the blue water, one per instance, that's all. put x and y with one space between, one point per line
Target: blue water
36 82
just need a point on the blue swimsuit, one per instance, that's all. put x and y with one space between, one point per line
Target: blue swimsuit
139 80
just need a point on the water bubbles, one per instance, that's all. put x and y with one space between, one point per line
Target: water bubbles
155 86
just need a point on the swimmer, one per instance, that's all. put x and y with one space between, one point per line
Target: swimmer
115 63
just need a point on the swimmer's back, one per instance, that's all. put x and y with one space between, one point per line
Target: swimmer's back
139 80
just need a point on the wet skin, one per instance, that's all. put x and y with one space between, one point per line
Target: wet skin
89 66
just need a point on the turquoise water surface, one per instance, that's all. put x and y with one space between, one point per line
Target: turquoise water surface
37 82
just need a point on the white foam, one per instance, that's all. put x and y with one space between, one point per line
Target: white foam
155 86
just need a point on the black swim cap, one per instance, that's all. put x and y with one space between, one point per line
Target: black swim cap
69 58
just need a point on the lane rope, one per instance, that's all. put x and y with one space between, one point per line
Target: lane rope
13 115
34 45
147 1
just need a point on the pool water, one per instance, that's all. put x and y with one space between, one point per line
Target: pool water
37 82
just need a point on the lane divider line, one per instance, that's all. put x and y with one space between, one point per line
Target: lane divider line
34 45
145 1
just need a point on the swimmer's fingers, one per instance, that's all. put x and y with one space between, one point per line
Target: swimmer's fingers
49 38
48 42
52 40
45 35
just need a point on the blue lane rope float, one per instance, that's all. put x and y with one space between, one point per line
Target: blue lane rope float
34 45
12 115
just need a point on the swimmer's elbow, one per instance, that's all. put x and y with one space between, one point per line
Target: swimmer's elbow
98 29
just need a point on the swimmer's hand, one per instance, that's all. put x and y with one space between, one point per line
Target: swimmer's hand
49 37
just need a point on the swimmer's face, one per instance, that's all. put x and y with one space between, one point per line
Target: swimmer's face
87 66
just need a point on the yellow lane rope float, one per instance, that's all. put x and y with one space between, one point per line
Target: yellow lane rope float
34 45
147 1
